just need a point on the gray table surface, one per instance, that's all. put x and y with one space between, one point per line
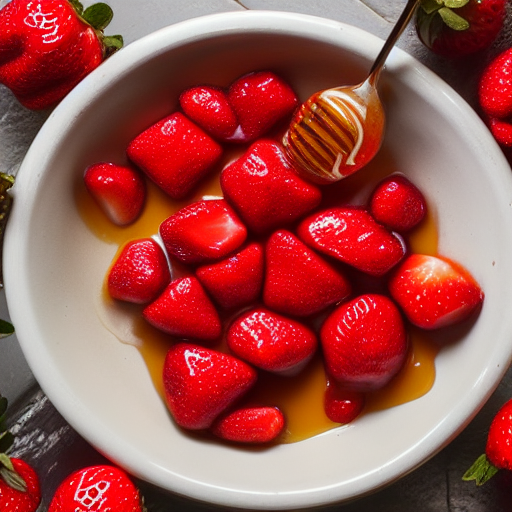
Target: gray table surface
46 440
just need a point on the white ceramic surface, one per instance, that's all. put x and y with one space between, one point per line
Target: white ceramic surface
54 266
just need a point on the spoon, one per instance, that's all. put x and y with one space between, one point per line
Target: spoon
337 131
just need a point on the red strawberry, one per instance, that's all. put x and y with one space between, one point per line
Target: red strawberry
47 47
209 107
139 273
397 203
265 191
19 486
252 425
341 405
96 488
120 191
202 232
364 342
498 449
271 342
236 281
175 153
353 236
458 29
185 311
495 87
298 281
260 100
201 383
501 131
434 292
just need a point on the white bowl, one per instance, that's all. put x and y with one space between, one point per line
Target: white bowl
54 266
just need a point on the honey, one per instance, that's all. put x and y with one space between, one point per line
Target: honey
301 397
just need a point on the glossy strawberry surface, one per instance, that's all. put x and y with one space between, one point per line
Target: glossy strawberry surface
18 500
341 405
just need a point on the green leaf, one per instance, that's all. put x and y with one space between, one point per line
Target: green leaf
6 441
452 20
112 43
98 15
11 477
481 471
79 8
6 329
430 6
3 406
455 4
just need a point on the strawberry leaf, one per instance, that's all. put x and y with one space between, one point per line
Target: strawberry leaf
455 4
430 6
98 15
6 329
112 44
79 8
481 471
452 20
9 474
6 441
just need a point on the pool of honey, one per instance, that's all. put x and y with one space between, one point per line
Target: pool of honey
300 397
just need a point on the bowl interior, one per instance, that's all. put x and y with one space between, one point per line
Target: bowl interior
54 265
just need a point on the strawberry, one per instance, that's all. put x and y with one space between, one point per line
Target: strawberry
251 425
365 343
102 487
397 203
139 272
120 191
265 191
298 281
434 292
209 107
201 383
48 47
260 100
202 232
498 449
457 29
235 281
353 236
341 405
175 153
271 341
184 311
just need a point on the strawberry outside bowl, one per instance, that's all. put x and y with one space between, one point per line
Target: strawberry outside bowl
54 264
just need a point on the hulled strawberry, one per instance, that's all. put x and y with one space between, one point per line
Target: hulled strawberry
48 47
201 383
139 272
209 107
341 405
185 311
364 342
235 281
299 282
250 425
202 232
397 203
353 236
175 153
434 292
458 29
260 100
265 191
271 341
120 191
97 488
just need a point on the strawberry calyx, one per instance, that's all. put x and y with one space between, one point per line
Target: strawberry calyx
481 470
99 16
446 10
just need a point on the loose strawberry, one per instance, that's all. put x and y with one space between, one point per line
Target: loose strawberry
175 153
139 273
120 191
457 29
185 311
299 282
498 449
260 100
105 488
48 47
209 107
201 383
341 405
271 341
353 236
265 191
365 343
202 232
235 281
434 292
397 203
250 425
